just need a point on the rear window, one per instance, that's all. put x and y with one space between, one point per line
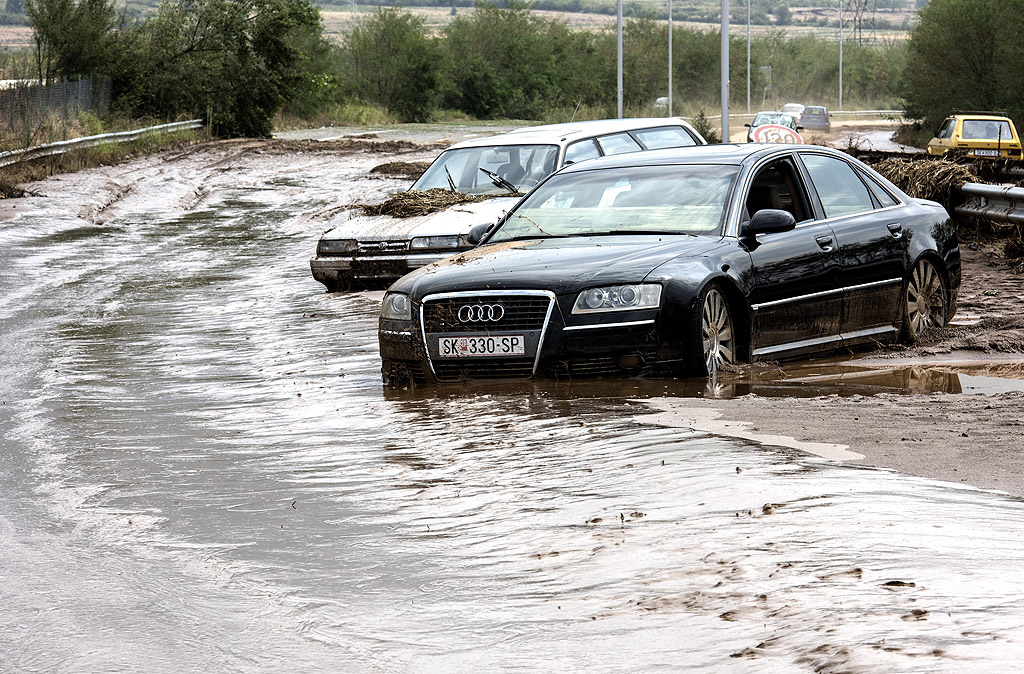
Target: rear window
985 129
814 110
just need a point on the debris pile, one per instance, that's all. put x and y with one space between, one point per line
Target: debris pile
403 169
936 179
415 202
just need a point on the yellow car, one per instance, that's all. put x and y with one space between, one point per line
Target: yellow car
981 134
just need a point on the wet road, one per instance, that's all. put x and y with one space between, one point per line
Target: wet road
202 471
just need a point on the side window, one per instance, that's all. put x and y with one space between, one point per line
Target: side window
840 190
777 186
884 198
617 143
946 130
664 136
580 150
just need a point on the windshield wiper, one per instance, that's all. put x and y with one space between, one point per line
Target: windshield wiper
499 181
451 181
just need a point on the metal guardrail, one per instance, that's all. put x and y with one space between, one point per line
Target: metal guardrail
996 203
60 147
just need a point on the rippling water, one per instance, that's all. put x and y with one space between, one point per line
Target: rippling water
202 470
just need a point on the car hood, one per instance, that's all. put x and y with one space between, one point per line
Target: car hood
454 220
558 264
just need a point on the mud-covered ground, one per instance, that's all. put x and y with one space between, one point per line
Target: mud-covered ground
968 437
202 471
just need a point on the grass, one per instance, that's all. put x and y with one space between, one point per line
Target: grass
11 177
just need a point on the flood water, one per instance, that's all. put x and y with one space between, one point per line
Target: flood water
201 470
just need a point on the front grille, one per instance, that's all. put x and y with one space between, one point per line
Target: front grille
521 312
490 368
382 247
597 366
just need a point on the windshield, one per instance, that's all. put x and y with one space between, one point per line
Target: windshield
769 118
493 169
688 199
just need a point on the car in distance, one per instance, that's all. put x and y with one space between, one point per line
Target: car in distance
680 261
979 134
770 118
376 250
794 110
816 118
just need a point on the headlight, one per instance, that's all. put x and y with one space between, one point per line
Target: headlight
438 242
618 298
335 246
396 307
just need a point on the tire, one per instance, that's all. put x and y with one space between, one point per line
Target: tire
924 302
711 339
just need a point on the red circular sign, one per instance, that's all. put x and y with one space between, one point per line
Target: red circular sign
775 133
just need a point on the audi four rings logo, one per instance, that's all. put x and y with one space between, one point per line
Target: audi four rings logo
478 313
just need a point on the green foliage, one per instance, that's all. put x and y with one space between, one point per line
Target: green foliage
508 62
389 60
965 54
235 62
72 37
703 126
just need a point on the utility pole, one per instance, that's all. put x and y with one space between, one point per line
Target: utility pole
725 71
840 55
669 58
618 39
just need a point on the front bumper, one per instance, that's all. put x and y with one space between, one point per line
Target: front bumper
333 269
621 345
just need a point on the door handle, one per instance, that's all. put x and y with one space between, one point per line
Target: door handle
825 243
896 229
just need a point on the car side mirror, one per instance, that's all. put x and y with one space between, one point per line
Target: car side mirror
478 232
799 128
767 221
747 125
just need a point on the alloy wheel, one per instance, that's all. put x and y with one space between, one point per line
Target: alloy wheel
926 298
716 332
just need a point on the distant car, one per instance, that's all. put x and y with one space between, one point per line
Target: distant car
369 251
681 261
980 134
794 109
766 117
817 118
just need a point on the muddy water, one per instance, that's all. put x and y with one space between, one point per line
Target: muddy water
202 471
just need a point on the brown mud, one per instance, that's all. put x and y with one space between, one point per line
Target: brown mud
924 421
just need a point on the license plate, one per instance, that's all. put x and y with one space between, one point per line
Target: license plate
460 347
986 153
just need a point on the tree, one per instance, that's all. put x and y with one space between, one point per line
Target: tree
965 54
391 61
72 37
234 61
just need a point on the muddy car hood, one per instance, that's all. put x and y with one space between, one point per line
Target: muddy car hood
560 265
455 220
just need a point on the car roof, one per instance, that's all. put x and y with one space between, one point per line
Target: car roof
993 118
565 133
734 153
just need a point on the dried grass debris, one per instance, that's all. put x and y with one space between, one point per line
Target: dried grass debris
401 169
423 202
936 179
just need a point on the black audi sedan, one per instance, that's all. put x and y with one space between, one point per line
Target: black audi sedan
679 262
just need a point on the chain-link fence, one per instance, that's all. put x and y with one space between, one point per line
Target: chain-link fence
24 105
